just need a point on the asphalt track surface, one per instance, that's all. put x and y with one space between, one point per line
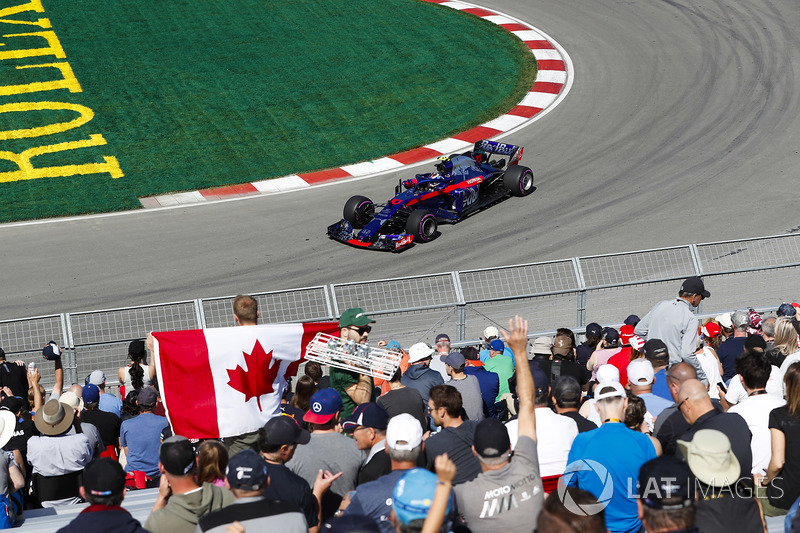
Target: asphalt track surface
682 126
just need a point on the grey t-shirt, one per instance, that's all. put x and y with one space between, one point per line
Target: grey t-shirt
471 398
328 451
508 499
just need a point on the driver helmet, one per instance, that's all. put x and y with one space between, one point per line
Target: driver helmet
445 166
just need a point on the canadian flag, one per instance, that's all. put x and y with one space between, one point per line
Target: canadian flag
223 382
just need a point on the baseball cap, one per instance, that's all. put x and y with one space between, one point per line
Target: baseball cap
632 320
611 336
177 455
442 337
694 285
710 458
103 477
247 470
636 342
147 396
354 316
97 377
625 334
724 320
369 415
280 430
786 309
454 359
497 345
754 319
542 346
609 389
51 351
491 333
323 405
640 372
607 373
666 483
562 345
710 330
393 345
471 353
655 349
91 393
594 330
413 495
403 432
755 341
740 318
491 438
419 351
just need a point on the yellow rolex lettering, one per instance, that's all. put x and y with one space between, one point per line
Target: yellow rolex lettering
42 23
85 115
26 171
68 81
33 5
53 46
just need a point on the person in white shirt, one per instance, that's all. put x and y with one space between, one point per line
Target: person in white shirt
554 432
754 370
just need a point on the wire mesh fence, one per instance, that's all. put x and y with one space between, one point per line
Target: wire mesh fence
758 273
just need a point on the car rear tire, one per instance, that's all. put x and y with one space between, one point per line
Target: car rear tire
422 225
518 180
358 211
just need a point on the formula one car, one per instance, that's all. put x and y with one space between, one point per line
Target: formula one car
461 185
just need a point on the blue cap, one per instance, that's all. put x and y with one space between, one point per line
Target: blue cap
393 345
323 405
787 310
497 345
632 320
370 415
91 393
413 495
247 470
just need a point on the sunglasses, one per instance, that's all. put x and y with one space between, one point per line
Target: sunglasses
361 330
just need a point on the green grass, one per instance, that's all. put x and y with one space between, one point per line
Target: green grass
192 95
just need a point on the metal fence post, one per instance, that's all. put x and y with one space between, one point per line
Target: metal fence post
461 307
200 313
70 366
581 318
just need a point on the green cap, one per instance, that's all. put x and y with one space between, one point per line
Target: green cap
354 317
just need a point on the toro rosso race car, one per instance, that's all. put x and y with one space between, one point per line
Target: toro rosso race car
461 185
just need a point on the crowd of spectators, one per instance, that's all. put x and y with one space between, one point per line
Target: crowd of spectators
667 424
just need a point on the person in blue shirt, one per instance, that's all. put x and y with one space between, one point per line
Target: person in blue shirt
489 334
606 460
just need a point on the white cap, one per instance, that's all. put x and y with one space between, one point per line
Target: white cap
640 372
403 432
419 351
71 399
491 333
542 346
636 342
618 392
724 320
607 373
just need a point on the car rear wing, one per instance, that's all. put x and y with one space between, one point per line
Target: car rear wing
493 147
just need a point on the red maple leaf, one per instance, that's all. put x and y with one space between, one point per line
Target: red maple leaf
259 376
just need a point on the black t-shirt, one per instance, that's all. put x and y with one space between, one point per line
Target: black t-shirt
378 466
24 430
568 368
287 486
457 443
584 353
107 424
785 488
405 400
15 377
584 424
726 509
735 428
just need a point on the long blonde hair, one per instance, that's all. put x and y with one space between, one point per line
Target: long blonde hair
785 336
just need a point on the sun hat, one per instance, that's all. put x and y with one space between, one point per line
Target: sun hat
542 346
711 459
54 418
419 351
724 320
491 333
8 421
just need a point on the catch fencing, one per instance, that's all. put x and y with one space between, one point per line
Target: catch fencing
759 273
